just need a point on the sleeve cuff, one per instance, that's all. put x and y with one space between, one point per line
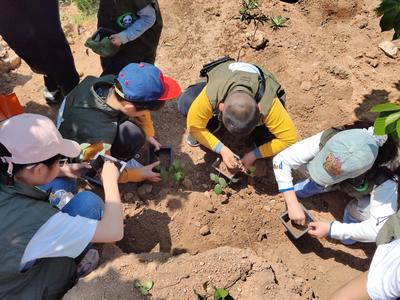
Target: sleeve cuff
218 147
257 153
285 190
330 229
123 36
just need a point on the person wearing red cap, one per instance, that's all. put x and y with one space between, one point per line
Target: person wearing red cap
46 246
96 114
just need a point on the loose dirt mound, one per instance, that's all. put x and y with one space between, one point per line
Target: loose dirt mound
247 276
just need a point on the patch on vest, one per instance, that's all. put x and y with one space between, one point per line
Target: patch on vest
126 20
333 165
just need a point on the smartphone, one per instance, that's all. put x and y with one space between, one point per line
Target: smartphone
93 176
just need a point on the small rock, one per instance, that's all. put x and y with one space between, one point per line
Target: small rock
373 62
202 263
187 183
3 51
389 48
196 223
205 230
13 60
207 194
211 208
306 85
362 24
144 189
371 54
262 234
257 40
339 71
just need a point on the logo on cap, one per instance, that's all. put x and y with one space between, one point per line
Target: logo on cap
333 165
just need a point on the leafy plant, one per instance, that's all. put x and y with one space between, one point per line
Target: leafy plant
388 120
389 10
250 10
278 22
144 288
221 183
175 172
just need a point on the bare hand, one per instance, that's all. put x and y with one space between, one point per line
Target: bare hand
109 173
248 159
148 174
229 158
116 40
154 142
74 170
319 229
296 214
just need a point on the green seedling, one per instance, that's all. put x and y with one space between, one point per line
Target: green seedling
388 120
144 288
278 22
174 173
215 293
250 10
220 183
389 11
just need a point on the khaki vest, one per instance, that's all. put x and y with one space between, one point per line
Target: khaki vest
23 210
221 81
87 118
371 177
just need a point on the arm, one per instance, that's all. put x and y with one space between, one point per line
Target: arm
111 226
383 204
281 126
147 18
355 289
146 123
199 115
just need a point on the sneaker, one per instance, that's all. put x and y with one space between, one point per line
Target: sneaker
52 98
191 141
88 263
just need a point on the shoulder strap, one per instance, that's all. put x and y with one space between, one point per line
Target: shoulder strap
211 65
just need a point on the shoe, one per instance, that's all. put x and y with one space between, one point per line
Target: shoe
88 263
52 98
191 141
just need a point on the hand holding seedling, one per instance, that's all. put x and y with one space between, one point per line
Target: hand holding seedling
319 229
147 172
229 158
116 40
248 159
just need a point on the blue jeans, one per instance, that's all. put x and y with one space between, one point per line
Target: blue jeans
308 188
85 204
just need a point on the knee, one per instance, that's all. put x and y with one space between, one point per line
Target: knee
85 204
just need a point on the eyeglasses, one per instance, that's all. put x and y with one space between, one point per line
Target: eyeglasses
62 161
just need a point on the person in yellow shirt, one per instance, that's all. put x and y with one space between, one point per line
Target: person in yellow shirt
96 115
247 101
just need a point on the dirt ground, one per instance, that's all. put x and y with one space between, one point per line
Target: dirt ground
328 60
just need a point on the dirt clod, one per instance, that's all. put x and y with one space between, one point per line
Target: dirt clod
205 230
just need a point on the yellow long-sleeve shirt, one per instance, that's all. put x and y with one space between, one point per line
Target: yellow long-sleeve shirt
277 121
127 175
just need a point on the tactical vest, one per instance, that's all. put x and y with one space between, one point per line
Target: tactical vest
87 117
23 210
363 184
221 81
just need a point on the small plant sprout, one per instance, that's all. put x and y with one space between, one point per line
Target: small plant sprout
250 10
278 22
144 288
221 183
211 292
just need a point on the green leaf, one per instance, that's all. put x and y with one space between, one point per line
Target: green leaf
214 177
220 294
222 182
398 129
379 126
179 176
386 6
148 285
218 189
136 284
385 107
252 170
392 118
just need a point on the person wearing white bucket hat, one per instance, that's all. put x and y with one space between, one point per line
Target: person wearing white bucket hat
45 246
353 161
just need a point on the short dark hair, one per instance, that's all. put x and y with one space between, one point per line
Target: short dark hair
140 105
241 113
